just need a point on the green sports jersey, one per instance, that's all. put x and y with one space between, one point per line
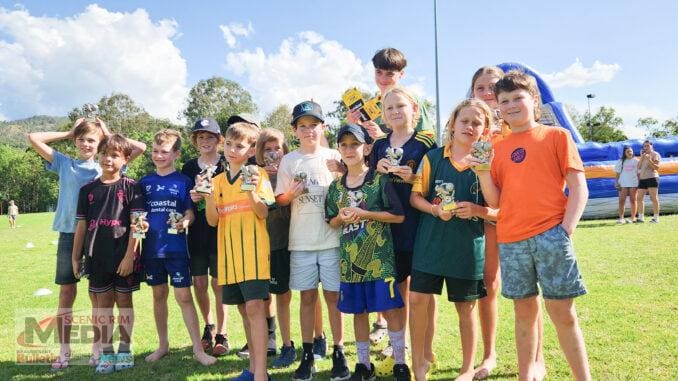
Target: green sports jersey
367 246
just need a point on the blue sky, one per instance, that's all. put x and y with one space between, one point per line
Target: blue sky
55 55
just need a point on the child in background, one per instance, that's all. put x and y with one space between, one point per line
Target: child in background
535 224
303 181
270 148
202 238
243 245
12 214
435 261
401 114
648 181
102 235
389 68
626 183
164 253
73 174
363 203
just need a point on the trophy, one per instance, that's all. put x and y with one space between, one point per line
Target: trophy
394 154
174 217
482 151
301 177
83 269
355 198
138 219
204 185
90 111
272 158
247 172
445 192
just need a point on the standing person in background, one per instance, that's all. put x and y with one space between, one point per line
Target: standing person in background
626 183
12 214
648 175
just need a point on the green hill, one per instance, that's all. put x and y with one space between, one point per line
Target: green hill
14 132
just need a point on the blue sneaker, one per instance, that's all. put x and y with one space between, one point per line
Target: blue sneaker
320 347
287 357
124 360
106 364
246 375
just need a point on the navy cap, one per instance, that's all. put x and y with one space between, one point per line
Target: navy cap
308 108
359 132
243 117
208 125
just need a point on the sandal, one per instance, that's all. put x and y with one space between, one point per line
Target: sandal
378 333
61 363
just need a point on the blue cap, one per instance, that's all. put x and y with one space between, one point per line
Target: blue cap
359 132
208 125
308 108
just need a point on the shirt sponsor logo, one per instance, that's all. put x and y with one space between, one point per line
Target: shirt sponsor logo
518 155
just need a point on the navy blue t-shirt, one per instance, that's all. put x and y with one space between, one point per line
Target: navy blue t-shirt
162 195
413 152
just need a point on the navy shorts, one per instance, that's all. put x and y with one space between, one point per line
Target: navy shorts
159 269
375 296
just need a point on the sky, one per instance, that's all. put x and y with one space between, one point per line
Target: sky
56 55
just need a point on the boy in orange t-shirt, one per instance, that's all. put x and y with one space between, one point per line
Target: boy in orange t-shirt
530 169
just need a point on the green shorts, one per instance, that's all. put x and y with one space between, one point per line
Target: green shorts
458 290
239 293
203 264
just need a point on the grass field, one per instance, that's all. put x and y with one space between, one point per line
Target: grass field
629 317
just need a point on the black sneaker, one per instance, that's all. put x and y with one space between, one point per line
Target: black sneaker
207 337
401 372
244 352
340 370
361 373
306 368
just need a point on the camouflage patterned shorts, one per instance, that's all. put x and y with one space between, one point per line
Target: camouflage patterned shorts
548 259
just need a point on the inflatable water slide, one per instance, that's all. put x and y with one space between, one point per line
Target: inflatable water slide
600 158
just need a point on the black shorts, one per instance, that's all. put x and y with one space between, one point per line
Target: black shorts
652 182
100 282
280 272
203 256
458 290
403 262
239 293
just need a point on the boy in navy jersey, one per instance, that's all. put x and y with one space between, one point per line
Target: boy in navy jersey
166 192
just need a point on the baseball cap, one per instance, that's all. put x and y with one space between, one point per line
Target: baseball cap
206 124
307 108
243 117
359 132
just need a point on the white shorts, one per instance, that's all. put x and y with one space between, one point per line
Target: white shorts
307 268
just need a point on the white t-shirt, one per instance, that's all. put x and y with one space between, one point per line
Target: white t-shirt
628 173
308 228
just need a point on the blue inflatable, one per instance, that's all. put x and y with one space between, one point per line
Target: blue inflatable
600 159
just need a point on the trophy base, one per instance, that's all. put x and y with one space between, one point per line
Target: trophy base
450 206
203 190
247 187
172 231
139 235
483 167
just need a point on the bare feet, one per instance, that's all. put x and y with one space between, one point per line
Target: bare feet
421 374
485 368
467 376
204 358
157 355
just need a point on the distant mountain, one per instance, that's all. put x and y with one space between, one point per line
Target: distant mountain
14 132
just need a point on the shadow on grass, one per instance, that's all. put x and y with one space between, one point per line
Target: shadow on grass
595 225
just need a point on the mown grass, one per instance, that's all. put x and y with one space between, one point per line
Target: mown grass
629 317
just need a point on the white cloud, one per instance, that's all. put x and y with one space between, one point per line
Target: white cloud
232 30
576 75
50 65
631 112
306 66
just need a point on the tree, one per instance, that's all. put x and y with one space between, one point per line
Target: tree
25 180
217 98
606 126
659 130
280 119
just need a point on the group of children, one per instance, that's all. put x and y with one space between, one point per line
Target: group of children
634 178
381 235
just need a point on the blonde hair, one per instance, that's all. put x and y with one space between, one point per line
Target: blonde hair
243 131
168 136
402 91
470 102
87 127
269 135
491 70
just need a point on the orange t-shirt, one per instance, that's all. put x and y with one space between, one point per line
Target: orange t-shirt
529 168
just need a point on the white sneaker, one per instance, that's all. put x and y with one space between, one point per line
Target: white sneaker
655 220
620 221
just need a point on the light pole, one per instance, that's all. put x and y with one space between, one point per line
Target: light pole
588 98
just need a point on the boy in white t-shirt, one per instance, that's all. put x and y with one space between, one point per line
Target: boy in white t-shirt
303 181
